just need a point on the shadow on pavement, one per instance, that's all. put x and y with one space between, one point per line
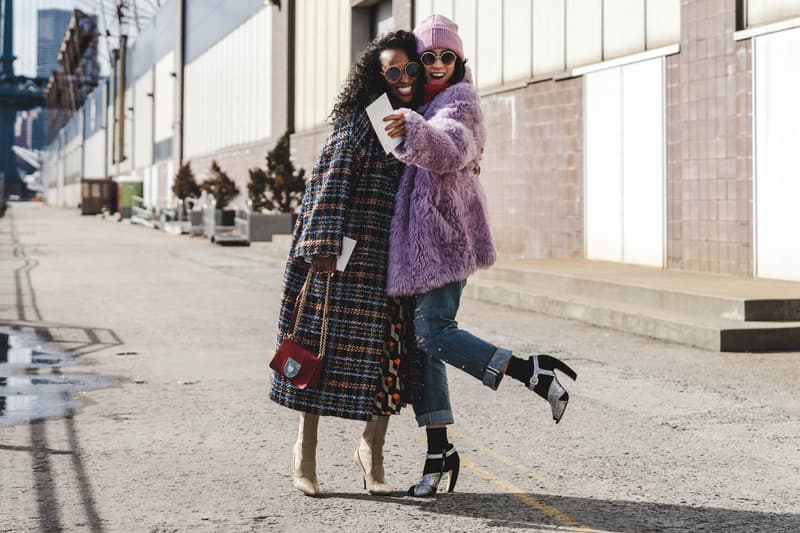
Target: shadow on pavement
75 341
548 511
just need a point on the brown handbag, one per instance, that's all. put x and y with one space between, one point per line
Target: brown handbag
294 361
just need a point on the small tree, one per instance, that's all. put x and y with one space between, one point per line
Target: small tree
220 186
257 189
281 187
185 185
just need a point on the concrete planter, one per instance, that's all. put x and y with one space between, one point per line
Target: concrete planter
224 217
262 226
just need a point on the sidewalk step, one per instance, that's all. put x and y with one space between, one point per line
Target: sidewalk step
696 294
718 334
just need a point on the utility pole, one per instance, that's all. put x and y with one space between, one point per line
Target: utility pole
180 56
122 66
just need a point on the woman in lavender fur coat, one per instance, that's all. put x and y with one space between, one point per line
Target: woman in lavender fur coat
439 236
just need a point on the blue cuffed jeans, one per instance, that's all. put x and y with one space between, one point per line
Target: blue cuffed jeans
441 340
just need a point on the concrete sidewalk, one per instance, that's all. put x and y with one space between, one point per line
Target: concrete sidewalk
658 436
707 284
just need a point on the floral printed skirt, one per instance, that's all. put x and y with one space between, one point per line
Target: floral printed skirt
399 382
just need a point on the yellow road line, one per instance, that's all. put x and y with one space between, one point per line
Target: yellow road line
518 493
500 457
513 490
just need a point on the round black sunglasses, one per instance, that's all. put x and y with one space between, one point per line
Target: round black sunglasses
448 57
393 73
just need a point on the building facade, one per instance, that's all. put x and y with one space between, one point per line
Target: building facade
51 24
653 132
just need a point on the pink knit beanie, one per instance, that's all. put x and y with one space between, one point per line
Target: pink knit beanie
438 31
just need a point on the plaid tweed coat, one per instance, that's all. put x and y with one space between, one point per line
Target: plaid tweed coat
350 193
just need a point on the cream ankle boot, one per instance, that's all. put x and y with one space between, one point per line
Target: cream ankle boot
305 456
369 456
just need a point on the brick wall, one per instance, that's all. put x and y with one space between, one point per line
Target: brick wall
235 162
709 143
533 169
306 146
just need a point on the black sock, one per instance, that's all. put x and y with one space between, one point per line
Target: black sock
437 444
437 440
520 369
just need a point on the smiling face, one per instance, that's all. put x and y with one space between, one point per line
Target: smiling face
402 90
438 73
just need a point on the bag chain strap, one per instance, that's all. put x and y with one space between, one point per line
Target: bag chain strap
301 304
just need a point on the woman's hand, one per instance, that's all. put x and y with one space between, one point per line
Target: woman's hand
397 124
323 263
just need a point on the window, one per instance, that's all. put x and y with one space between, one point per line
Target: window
380 19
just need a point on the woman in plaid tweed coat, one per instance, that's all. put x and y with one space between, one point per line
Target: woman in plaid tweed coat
350 193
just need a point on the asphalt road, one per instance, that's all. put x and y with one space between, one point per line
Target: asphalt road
658 437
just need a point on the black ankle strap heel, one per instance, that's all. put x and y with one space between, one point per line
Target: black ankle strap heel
436 466
544 382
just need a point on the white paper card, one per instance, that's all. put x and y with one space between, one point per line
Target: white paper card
376 111
348 245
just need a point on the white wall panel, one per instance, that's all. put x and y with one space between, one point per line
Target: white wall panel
511 40
322 59
73 160
94 155
516 40
149 188
164 97
548 36
663 23
603 145
228 59
489 62
228 91
343 43
332 58
766 11
777 163
301 51
643 163
624 166
422 9
465 14
443 7
584 32
143 120
307 63
623 28
320 45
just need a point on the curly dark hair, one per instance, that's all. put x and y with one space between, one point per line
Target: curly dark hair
365 82
459 71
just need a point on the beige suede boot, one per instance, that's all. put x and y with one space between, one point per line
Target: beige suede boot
305 456
369 456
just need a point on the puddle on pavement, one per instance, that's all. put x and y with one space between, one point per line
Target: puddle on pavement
32 384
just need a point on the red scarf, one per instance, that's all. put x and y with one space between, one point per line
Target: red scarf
432 90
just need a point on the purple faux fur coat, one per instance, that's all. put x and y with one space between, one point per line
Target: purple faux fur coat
440 231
